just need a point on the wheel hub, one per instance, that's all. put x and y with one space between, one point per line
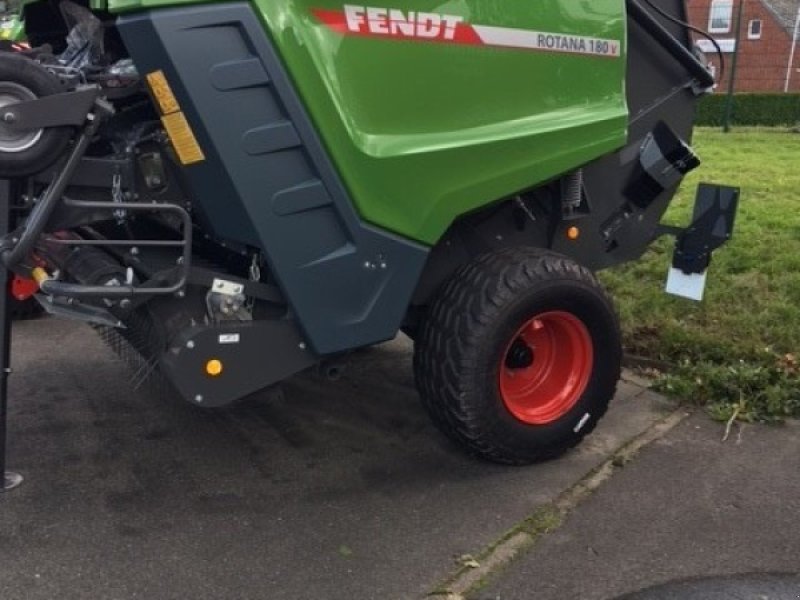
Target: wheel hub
520 356
546 368
11 140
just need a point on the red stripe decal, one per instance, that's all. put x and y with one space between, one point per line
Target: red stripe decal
421 26
465 34
332 18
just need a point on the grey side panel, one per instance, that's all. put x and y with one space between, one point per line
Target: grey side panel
267 180
256 355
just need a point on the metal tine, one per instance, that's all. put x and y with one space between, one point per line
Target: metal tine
144 372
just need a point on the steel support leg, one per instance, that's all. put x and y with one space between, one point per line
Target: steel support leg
10 479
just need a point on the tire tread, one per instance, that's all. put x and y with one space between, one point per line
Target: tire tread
463 310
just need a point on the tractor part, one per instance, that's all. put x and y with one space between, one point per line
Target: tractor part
26 151
8 479
519 356
240 191
21 302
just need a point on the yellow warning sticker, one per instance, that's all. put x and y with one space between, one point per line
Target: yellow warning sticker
162 92
183 139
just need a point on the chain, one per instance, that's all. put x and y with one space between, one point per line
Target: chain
255 269
116 196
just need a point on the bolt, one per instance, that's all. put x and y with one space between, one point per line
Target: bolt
125 303
198 399
9 117
302 345
190 344
134 251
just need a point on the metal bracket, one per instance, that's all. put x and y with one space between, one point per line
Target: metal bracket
75 290
712 226
58 110
77 311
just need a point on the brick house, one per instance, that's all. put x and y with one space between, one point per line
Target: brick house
766 41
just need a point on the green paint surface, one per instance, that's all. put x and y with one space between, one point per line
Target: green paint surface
12 28
424 131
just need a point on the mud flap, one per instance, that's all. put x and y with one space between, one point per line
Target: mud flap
712 226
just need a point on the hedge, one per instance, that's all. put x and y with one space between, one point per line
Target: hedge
769 110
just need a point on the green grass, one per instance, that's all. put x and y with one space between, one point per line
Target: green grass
736 351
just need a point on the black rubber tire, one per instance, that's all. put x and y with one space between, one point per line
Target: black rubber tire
50 146
23 310
467 331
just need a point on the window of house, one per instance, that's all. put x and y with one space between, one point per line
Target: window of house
721 17
754 30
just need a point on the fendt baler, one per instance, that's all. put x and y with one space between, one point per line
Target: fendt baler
243 190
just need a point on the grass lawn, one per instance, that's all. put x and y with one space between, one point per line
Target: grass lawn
737 351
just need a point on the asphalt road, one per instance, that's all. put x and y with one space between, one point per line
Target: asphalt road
334 491
688 508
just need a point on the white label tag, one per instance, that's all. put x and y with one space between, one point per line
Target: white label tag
229 338
686 286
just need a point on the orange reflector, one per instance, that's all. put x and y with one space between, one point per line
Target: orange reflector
182 138
573 233
162 92
214 368
178 129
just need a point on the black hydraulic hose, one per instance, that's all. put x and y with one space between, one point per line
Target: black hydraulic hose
698 31
647 22
40 215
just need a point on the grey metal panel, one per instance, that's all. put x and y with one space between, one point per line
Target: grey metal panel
306 196
238 74
271 138
349 284
246 351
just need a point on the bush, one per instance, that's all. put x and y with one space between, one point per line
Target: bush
767 110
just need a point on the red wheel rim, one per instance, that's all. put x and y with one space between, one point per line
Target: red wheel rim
545 369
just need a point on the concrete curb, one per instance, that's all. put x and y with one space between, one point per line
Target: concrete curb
493 559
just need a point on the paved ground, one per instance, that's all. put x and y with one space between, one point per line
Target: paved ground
337 491
736 587
689 506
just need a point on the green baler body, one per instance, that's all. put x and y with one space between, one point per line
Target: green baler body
424 130
350 159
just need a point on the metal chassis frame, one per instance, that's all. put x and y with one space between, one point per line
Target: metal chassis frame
10 480
19 248
184 264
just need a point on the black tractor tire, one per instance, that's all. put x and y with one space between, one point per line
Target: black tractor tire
23 310
480 378
23 153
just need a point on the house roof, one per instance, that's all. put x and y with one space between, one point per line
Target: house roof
785 11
